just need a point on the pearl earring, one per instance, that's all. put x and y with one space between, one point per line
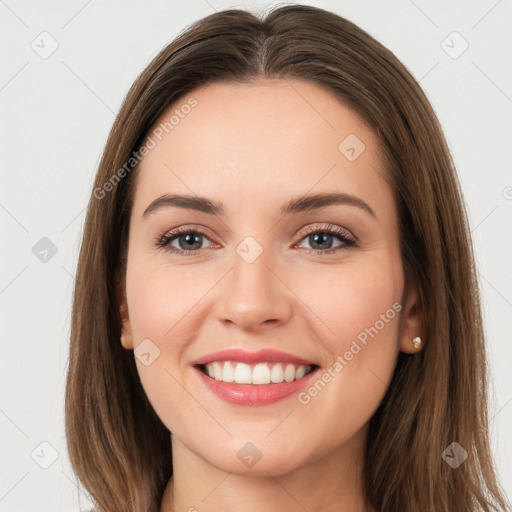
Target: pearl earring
417 342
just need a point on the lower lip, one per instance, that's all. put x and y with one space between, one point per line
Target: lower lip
252 394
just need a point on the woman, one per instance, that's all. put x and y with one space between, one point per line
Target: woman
276 305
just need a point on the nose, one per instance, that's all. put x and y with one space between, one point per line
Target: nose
254 296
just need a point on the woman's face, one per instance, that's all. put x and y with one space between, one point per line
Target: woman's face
269 269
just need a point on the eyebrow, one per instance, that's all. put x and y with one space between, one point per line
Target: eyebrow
296 205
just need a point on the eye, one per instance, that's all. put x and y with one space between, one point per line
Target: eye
189 241
321 239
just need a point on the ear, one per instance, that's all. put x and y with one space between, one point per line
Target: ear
412 319
126 332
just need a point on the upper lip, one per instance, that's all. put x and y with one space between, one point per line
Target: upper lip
261 356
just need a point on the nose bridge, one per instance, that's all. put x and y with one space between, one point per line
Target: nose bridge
253 294
251 266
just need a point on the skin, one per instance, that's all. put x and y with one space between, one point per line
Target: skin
253 147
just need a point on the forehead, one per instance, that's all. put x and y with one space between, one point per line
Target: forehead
262 140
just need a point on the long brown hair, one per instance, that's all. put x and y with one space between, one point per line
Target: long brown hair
119 448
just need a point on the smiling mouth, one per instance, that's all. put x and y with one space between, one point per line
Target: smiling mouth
262 373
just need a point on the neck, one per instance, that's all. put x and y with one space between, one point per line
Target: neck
331 483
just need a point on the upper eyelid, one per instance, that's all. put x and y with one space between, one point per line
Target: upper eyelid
327 227
172 233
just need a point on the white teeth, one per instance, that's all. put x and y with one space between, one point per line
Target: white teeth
217 371
260 373
301 371
243 374
277 373
289 373
228 374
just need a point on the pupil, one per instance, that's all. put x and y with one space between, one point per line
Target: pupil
190 239
323 237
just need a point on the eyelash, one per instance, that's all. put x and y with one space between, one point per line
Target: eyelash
342 234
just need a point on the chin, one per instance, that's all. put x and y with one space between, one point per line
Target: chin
249 459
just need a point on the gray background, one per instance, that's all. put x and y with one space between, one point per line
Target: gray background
56 111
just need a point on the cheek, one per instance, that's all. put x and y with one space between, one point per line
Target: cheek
362 306
160 302
161 308
353 301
